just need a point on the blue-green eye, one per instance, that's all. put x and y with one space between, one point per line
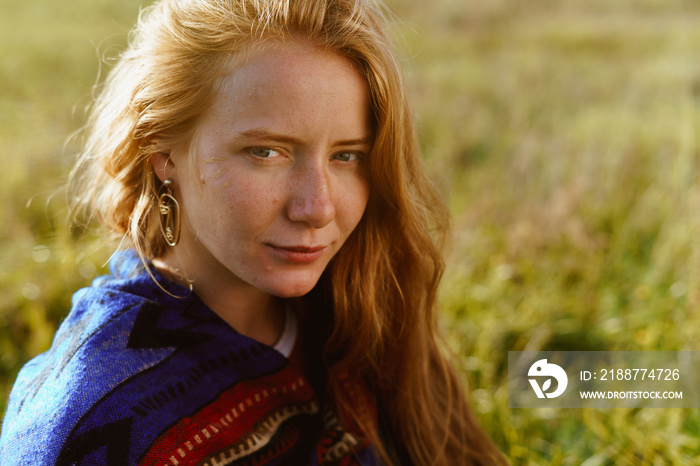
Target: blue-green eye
346 156
264 152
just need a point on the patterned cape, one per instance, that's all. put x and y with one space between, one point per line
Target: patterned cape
137 377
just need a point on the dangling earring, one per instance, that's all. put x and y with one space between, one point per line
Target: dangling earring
169 210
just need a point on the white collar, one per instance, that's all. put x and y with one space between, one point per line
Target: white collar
285 344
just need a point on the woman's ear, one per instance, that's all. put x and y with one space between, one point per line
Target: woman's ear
163 165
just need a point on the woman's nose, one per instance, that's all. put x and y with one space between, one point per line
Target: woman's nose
311 201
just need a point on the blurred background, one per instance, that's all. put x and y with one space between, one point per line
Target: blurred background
564 134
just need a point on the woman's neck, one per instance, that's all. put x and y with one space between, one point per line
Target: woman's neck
250 311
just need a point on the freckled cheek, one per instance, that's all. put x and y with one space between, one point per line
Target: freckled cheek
351 206
241 198
214 176
252 203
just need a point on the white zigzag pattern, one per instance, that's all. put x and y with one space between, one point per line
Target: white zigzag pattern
225 420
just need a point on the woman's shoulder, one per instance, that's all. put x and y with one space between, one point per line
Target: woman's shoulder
134 378
127 354
55 388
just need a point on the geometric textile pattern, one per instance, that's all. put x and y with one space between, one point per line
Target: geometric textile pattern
140 376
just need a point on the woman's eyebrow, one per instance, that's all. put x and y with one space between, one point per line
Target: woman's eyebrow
270 136
364 141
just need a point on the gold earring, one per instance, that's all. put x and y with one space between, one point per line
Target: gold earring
169 211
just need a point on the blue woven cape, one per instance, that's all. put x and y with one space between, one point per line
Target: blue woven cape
136 376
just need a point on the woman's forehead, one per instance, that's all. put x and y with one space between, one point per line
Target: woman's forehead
298 80
282 56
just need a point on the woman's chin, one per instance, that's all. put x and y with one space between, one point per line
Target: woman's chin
291 288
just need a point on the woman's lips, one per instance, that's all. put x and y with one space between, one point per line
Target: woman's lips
298 254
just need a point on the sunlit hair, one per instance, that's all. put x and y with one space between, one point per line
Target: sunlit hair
382 284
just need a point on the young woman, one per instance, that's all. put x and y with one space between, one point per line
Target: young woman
277 303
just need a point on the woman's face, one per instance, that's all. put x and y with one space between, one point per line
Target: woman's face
280 180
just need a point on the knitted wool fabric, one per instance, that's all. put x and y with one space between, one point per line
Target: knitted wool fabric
138 377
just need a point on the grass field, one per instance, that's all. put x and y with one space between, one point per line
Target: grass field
564 134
